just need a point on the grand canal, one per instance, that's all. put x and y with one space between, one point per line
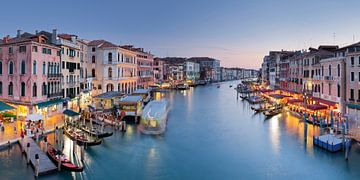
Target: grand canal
210 135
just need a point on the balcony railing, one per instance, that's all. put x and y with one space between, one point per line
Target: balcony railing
53 75
53 95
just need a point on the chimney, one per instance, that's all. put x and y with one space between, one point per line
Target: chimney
36 32
18 33
53 36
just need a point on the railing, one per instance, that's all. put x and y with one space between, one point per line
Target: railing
53 75
328 78
54 95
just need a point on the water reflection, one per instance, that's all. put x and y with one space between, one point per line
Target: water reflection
275 134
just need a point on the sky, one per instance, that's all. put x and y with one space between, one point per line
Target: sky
237 32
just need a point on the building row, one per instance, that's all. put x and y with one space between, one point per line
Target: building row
329 73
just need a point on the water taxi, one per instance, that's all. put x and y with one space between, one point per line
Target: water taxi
183 86
154 117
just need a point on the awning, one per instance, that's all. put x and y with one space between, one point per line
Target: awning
34 117
315 107
293 101
323 101
49 103
141 91
5 107
353 106
71 113
131 99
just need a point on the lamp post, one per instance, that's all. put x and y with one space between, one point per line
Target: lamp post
306 93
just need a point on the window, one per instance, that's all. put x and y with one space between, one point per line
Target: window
11 67
49 51
1 89
34 67
0 67
44 89
99 86
110 72
93 59
338 70
338 90
63 64
351 94
22 89
22 67
322 88
93 49
359 95
10 89
352 61
329 70
93 73
352 76
329 89
22 48
322 70
10 50
110 57
44 50
34 90
34 49
44 68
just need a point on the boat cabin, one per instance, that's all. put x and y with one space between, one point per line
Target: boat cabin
145 93
132 105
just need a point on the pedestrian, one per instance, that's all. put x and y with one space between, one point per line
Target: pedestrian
15 130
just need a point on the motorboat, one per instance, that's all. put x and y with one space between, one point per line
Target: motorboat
154 117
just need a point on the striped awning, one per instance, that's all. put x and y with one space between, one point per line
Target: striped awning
5 107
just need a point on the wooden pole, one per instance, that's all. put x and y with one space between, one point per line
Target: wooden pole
37 167
28 152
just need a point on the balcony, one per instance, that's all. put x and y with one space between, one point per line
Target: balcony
55 95
328 78
111 62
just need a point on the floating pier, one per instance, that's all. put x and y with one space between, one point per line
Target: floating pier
329 142
44 164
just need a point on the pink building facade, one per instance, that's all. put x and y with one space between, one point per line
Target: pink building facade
30 74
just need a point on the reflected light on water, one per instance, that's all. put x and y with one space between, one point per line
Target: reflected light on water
275 134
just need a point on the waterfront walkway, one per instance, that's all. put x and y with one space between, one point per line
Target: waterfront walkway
45 164
10 135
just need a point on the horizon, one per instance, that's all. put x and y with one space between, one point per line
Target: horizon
239 33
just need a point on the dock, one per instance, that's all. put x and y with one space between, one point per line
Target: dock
329 142
46 166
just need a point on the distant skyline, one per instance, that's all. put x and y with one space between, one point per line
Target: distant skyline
238 32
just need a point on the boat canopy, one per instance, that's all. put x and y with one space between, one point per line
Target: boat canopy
155 110
34 117
315 107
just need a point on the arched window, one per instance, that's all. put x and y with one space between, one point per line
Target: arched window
34 90
43 89
110 57
44 68
93 72
22 67
0 67
109 87
329 70
11 67
22 89
34 67
10 89
338 70
110 72
119 86
1 88
93 59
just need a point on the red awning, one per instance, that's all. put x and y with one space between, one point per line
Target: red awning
323 101
315 107
292 101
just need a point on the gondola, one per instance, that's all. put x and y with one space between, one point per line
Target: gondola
260 109
65 163
273 112
95 132
81 139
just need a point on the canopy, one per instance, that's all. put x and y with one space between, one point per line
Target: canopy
353 106
71 113
131 99
323 101
49 103
142 91
5 107
293 101
315 107
34 117
155 110
109 95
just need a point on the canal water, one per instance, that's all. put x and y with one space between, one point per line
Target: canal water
210 135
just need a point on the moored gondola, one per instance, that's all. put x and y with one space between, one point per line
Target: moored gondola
55 155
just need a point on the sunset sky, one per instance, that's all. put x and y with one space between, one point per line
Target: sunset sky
237 32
